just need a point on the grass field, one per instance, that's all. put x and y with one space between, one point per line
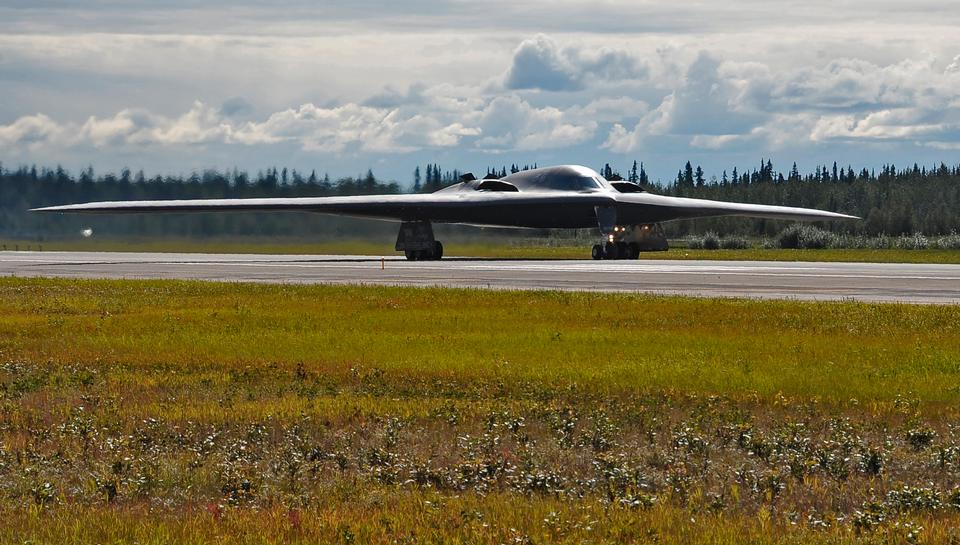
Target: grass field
533 249
168 412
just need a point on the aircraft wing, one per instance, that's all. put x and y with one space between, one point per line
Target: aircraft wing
557 209
665 208
441 206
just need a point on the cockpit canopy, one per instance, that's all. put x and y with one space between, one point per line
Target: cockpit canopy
562 178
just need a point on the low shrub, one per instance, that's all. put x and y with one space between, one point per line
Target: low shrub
915 241
734 243
711 241
847 241
948 242
807 237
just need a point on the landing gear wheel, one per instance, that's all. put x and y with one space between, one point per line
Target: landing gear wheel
623 250
610 251
411 255
634 250
437 250
597 252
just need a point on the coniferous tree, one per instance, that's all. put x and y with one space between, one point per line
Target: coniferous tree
891 201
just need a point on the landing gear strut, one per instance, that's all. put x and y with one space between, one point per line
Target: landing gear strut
416 241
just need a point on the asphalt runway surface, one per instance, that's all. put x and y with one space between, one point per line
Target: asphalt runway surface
911 283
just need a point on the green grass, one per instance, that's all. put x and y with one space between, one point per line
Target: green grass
605 342
525 248
168 412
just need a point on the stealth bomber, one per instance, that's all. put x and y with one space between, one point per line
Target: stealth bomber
627 216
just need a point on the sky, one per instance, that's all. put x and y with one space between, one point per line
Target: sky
173 87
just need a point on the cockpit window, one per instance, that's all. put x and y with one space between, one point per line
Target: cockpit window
571 182
601 181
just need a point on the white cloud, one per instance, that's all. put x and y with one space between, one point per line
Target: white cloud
509 122
31 130
127 126
387 97
954 66
727 104
540 63
897 124
506 121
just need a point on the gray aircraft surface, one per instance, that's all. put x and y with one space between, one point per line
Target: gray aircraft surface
569 196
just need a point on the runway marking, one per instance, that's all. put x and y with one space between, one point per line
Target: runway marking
727 272
547 266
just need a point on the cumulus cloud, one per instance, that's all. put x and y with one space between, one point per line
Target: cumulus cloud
392 98
847 84
501 122
512 123
540 63
727 104
31 130
600 100
954 66
705 103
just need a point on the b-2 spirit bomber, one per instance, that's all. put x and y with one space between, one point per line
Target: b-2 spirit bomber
561 197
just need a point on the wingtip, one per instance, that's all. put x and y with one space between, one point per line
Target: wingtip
839 216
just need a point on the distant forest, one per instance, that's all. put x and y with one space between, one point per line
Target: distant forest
893 200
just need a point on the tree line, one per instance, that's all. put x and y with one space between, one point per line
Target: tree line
892 200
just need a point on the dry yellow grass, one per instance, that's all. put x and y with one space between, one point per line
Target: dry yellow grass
170 412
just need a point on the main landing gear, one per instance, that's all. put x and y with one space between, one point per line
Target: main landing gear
425 255
627 242
616 250
416 241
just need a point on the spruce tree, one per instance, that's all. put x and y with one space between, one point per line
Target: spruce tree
688 174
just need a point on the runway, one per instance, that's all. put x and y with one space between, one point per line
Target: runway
911 283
